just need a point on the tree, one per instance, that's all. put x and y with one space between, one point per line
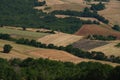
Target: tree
23 28
116 27
7 48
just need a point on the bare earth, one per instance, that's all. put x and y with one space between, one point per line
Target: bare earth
86 30
22 52
60 39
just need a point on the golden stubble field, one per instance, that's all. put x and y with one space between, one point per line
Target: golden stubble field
109 49
60 39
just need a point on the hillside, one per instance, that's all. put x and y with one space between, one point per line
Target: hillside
23 52
112 12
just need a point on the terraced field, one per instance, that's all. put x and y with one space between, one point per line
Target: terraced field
60 39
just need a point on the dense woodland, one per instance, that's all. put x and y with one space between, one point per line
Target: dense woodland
69 48
44 69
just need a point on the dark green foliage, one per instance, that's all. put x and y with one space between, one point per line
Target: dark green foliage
36 3
118 45
115 74
100 37
44 69
5 36
116 27
7 48
97 7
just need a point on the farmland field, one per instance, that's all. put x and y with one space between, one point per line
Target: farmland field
60 39
86 30
22 34
88 44
22 52
112 12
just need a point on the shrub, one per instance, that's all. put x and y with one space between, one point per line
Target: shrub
7 48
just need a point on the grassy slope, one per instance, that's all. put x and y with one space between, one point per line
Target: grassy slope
22 34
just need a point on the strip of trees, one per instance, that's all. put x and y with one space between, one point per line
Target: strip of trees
101 37
85 13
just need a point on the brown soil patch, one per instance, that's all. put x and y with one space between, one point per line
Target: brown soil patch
112 12
98 30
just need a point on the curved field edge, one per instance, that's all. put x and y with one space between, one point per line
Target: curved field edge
23 52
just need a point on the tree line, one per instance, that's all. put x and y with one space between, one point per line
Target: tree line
85 13
45 69
75 51
101 37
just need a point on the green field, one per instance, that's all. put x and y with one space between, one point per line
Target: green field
22 34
